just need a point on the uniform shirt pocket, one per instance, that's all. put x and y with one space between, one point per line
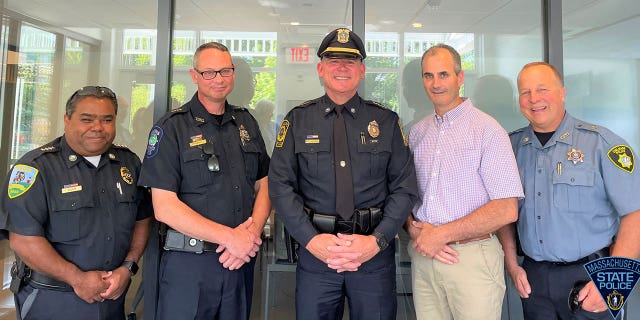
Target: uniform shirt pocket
251 153
376 155
194 168
573 188
68 216
311 153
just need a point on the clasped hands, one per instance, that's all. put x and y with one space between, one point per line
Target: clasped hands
243 244
343 252
428 241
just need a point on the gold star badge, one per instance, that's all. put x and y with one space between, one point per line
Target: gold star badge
575 155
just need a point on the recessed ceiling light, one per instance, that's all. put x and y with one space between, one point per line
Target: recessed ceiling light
416 25
295 23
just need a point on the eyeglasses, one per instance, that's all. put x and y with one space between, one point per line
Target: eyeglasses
91 91
211 74
213 164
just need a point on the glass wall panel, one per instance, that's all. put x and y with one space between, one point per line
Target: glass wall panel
274 46
601 64
494 38
52 48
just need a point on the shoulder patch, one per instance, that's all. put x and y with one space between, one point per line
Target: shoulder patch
154 138
377 104
282 133
622 157
21 180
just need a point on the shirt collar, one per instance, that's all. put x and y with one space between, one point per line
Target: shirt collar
72 158
200 115
352 106
454 114
563 134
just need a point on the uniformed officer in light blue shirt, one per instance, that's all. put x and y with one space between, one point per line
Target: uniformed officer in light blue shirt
579 205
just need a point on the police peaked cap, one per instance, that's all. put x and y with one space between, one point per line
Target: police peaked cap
342 43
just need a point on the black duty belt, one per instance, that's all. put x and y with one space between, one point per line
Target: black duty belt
176 241
46 281
604 252
364 221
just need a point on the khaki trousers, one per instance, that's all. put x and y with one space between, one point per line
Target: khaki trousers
471 289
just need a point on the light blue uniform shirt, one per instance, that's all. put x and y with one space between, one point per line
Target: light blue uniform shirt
577 187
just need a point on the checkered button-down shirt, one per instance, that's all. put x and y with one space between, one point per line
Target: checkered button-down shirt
463 160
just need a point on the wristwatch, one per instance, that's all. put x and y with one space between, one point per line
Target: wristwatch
132 266
381 240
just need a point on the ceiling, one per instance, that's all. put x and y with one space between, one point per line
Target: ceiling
599 25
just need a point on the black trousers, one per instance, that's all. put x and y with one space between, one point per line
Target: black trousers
550 287
197 286
52 304
370 291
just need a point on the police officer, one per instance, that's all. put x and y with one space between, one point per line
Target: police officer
207 167
76 217
342 252
578 180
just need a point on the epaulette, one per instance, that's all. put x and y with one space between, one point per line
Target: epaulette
172 113
377 104
45 149
48 148
121 146
516 131
587 126
306 103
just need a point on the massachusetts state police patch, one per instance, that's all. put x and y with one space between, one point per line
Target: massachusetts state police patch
21 180
622 157
154 138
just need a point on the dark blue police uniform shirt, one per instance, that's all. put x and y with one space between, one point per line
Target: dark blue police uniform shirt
175 160
86 213
302 169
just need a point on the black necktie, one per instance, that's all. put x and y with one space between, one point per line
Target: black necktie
342 163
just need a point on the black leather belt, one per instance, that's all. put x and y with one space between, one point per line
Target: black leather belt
363 221
604 252
46 281
177 241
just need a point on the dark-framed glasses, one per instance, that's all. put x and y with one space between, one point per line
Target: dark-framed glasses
212 164
93 91
211 74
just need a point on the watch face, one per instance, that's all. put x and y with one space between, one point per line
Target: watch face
132 266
